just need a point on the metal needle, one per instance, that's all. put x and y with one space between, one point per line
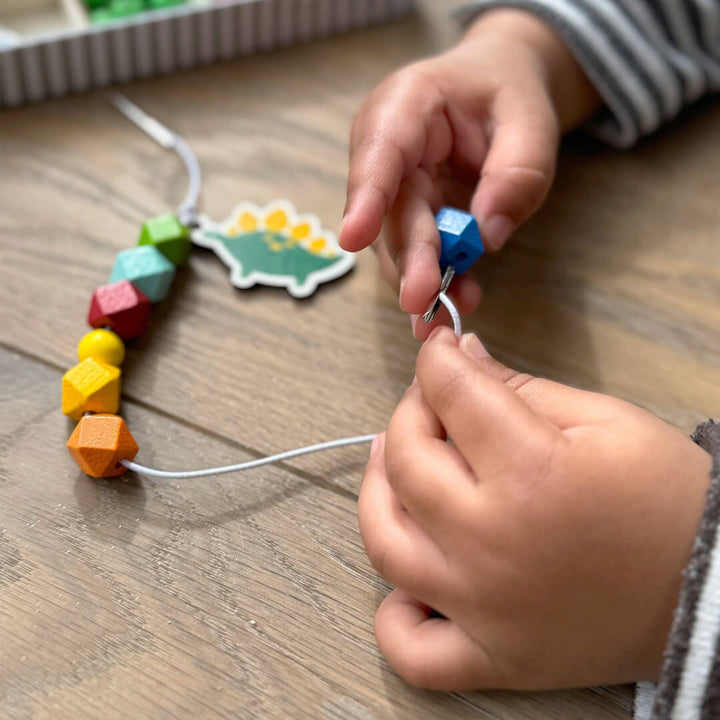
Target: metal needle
447 277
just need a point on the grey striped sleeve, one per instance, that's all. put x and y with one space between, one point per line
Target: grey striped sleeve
647 58
689 687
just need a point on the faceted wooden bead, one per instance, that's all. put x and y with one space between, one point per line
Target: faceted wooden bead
102 345
91 386
461 244
168 235
147 268
122 307
99 443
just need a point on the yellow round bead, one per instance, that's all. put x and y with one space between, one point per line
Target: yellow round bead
102 345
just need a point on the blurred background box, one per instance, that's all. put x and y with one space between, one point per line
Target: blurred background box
49 48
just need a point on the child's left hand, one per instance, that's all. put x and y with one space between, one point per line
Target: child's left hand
551 534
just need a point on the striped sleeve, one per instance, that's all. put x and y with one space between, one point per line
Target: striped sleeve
689 686
647 58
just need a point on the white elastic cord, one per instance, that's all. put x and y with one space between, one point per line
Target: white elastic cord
187 212
454 314
142 470
329 445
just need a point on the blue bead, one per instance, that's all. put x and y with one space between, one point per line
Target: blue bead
460 237
146 268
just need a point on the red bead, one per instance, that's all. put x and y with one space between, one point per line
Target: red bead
122 307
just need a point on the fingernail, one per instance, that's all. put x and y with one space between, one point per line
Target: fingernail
414 321
400 294
437 331
376 444
496 230
340 234
470 344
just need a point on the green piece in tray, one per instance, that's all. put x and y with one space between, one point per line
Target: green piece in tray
122 8
158 4
117 9
94 4
101 15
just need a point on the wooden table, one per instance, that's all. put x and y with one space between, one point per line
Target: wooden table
250 595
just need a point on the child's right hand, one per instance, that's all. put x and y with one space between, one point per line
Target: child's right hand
551 534
481 121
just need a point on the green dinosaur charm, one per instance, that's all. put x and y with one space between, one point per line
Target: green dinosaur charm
275 246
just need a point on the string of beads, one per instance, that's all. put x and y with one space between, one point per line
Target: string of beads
119 311
101 443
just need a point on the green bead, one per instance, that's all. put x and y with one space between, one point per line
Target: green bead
146 268
168 235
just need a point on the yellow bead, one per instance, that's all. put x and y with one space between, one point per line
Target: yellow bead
102 345
91 386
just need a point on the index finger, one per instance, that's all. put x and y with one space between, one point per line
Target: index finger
401 127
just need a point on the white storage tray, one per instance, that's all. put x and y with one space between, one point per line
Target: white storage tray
38 65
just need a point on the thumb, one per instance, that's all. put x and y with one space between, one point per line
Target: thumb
490 409
562 405
519 167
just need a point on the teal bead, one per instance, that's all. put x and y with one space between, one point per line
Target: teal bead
146 268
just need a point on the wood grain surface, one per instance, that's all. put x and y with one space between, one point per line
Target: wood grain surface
249 596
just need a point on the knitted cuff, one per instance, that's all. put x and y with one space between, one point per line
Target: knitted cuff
629 111
689 684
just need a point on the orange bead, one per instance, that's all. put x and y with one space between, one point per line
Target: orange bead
99 443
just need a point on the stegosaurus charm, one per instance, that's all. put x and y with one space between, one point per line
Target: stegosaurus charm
276 246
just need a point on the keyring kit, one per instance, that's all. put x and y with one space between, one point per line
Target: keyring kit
273 245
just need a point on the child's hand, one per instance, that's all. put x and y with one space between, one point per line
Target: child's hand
551 535
489 110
